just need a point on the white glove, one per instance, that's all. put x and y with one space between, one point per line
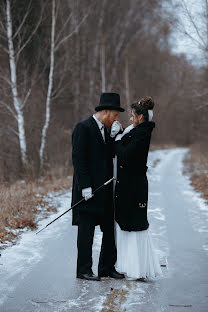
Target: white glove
87 193
119 136
115 128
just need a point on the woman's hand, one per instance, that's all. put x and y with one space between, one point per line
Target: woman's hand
118 137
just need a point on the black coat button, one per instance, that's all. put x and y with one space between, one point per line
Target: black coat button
121 167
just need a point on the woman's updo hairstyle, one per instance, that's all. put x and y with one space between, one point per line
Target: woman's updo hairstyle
142 106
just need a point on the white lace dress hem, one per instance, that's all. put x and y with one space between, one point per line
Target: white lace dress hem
136 256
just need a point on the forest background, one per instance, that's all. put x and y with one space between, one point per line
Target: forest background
56 58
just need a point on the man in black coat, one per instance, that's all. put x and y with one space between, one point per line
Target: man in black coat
92 156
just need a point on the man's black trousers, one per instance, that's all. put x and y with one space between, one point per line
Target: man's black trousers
85 237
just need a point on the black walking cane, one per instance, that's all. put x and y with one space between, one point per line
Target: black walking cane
106 183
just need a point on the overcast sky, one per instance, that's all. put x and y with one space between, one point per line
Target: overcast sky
180 42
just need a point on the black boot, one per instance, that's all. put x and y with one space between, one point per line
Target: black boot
112 274
89 277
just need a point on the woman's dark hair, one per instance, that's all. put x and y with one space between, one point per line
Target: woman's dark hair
142 106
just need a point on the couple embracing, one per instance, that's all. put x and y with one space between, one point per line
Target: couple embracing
101 149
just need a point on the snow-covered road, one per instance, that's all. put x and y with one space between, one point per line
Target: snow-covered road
38 274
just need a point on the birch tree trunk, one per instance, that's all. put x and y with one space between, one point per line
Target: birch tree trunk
55 45
18 105
50 87
102 66
127 87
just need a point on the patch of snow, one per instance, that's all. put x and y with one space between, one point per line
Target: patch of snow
156 209
18 260
198 212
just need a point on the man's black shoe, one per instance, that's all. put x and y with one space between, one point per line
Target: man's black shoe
89 277
112 274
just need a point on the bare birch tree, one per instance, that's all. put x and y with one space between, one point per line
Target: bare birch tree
56 41
16 42
50 82
18 105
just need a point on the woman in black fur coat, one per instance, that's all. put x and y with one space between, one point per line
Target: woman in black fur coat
136 257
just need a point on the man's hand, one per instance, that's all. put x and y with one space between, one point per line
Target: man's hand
116 127
87 193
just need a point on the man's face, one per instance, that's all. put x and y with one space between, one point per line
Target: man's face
110 117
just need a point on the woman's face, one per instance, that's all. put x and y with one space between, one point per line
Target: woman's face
136 119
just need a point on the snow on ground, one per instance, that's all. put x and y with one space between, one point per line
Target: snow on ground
198 212
20 260
156 210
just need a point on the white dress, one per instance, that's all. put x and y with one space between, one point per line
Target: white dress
136 256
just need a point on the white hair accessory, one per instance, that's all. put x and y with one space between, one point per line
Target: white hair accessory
150 113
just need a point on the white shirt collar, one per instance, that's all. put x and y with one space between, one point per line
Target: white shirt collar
100 125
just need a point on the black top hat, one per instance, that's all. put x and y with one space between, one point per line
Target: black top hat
109 101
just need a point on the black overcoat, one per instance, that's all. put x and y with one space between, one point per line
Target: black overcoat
93 165
131 191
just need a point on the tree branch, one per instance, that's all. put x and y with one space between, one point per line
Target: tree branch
2 103
21 48
190 17
73 32
23 21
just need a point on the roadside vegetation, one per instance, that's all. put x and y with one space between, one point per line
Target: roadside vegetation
196 166
21 202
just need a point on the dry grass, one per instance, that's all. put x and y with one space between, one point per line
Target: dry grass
19 204
196 164
114 300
